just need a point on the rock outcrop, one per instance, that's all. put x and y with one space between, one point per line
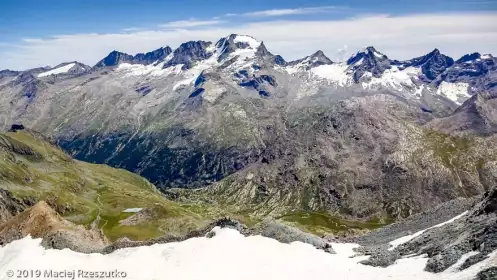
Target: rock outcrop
41 221
474 232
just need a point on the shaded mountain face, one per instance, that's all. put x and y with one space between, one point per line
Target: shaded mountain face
189 53
115 58
432 64
232 117
153 56
8 73
476 70
368 61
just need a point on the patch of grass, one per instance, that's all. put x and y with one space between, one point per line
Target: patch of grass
322 222
113 230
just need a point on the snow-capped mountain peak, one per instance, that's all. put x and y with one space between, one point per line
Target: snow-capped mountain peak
153 56
245 40
368 60
265 56
432 56
243 56
366 53
114 58
431 64
233 43
469 58
190 52
316 59
262 51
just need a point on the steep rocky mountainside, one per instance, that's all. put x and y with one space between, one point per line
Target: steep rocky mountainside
462 242
362 157
478 116
355 139
94 208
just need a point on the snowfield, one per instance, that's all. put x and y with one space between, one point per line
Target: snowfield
253 43
454 91
60 70
228 255
336 73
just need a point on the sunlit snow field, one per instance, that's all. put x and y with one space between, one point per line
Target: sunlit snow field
228 255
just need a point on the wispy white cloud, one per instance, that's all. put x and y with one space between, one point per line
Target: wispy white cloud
32 40
297 11
399 37
190 23
133 29
341 53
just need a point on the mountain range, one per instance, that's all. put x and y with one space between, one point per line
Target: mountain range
368 138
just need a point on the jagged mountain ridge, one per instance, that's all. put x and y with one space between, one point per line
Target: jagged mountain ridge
207 113
115 57
368 68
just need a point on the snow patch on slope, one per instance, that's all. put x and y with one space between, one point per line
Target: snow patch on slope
378 55
407 238
192 74
152 70
59 70
395 78
336 73
253 43
457 92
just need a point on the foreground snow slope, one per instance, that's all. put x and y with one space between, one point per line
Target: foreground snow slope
228 255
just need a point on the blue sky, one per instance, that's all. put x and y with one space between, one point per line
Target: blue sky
45 27
34 18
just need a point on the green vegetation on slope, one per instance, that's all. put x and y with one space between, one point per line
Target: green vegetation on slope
449 149
321 223
92 194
